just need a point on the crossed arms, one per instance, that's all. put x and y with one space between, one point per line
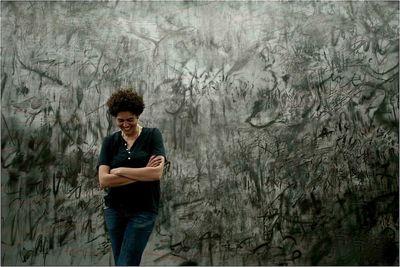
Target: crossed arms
124 175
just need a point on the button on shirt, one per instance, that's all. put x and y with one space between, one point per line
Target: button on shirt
129 152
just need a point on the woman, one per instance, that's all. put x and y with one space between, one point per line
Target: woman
130 166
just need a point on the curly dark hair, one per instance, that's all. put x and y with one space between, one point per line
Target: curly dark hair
125 100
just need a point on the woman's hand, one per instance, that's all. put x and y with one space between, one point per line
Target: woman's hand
154 161
116 171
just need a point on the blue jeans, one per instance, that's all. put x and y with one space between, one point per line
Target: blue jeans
129 233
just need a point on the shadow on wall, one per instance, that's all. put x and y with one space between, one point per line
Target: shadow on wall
280 122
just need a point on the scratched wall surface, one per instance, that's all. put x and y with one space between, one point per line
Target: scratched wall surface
280 121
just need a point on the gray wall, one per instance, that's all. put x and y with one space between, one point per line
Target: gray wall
280 120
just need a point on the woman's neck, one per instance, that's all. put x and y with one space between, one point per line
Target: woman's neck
134 134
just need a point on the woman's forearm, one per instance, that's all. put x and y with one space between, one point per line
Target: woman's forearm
113 180
140 174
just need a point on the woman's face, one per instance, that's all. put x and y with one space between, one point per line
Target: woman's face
127 122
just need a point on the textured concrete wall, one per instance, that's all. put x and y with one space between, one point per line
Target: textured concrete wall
280 120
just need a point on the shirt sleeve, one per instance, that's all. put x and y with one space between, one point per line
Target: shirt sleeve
105 156
158 148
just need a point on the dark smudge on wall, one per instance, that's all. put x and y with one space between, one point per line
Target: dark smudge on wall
280 120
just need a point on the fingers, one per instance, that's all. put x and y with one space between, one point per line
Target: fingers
116 171
155 161
151 161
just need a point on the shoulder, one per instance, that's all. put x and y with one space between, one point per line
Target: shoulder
111 138
113 135
153 134
150 131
